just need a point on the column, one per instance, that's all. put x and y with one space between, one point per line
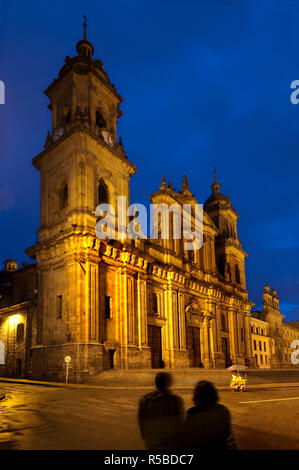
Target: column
232 334
206 341
170 324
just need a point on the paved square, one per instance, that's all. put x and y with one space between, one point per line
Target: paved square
35 417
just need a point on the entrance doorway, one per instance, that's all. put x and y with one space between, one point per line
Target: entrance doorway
194 346
111 358
225 350
154 342
18 367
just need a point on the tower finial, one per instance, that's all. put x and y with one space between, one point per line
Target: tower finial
84 27
185 187
84 47
163 183
215 186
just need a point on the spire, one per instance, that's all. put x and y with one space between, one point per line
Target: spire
169 185
84 27
163 183
84 47
185 187
215 186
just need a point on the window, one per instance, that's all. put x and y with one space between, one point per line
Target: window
237 274
107 307
254 343
242 334
260 345
265 348
251 329
223 322
262 331
103 194
154 300
20 331
64 196
100 120
261 359
59 306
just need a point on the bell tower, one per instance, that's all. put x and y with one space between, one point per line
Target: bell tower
82 165
230 256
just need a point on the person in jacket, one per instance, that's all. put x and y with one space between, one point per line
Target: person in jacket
208 424
161 415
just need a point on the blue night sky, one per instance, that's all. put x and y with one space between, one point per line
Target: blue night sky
206 83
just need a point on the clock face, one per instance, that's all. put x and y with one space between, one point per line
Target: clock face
58 133
107 138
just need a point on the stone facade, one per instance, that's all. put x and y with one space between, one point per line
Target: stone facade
118 303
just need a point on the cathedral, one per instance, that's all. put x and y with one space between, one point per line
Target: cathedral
124 303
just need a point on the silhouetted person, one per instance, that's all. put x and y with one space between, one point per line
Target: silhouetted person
208 424
161 415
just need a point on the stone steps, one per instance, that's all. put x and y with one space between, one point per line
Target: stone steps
189 377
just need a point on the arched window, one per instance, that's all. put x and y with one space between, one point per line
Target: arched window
223 322
237 274
2 353
64 196
20 331
99 119
103 193
154 301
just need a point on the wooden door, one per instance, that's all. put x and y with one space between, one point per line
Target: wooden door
154 342
225 351
194 346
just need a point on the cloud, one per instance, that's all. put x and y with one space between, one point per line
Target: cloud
7 200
